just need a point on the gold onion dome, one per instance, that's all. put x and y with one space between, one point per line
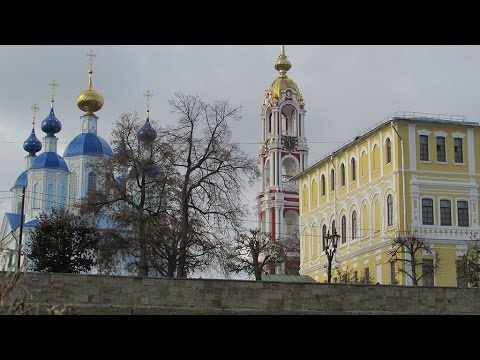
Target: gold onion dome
90 100
282 82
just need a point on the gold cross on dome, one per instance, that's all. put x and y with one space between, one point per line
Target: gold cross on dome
35 109
53 84
91 55
148 95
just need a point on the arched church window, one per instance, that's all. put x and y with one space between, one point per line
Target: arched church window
36 196
92 181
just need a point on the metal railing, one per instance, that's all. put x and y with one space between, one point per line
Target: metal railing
426 116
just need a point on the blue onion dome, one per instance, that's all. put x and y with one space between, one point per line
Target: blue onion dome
88 144
22 180
32 145
51 125
147 134
155 171
50 160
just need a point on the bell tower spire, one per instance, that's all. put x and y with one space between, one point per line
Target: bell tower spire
283 154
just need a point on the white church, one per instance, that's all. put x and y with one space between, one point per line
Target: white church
51 180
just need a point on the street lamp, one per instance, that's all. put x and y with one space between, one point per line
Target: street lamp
330 245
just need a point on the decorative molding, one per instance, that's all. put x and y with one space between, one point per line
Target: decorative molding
423 132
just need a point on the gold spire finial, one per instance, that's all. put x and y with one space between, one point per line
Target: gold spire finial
35 109
91 55
53 84
282 65
90 100
148 95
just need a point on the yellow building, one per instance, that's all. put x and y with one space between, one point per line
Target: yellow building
374 186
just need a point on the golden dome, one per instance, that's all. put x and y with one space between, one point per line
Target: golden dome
282 82
90 100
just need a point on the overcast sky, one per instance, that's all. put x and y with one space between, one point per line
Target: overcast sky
347 89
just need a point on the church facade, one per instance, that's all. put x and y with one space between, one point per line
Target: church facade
50 179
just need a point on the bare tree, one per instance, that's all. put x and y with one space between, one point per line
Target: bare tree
470 268
409 249
176 201
254 252
133 192
214 171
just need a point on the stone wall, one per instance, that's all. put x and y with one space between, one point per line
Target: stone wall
98 294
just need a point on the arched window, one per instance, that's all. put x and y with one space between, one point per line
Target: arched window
342 174
323 185
376 157
354 174
36 196
50 196
388 151
389 210
363 164
344 229
314 193
305 196
354 225
92 181
324 233
63 196
332 179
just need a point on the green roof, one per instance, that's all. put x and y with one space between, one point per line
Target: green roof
288 278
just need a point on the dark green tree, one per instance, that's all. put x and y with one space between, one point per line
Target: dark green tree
63 242
254 252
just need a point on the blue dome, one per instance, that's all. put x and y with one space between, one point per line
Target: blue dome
50 160
32 145
88 144
51 125
22 180
147 134
154 170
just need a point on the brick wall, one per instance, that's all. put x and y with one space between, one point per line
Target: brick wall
97 294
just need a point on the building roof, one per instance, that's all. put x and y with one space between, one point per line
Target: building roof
408 116
50 160
13 220
88 144
288 278
22 180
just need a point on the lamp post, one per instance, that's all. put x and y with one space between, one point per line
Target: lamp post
330 245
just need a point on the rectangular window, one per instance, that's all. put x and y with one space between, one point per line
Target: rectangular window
424 147
445 213
458 148
355 277
427 211
441 149
462 211
427 271
461 282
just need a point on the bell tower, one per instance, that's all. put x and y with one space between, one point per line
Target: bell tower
283 154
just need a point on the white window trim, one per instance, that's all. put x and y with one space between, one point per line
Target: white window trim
458 135
424 132
440 134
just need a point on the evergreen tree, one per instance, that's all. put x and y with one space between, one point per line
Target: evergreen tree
63 242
